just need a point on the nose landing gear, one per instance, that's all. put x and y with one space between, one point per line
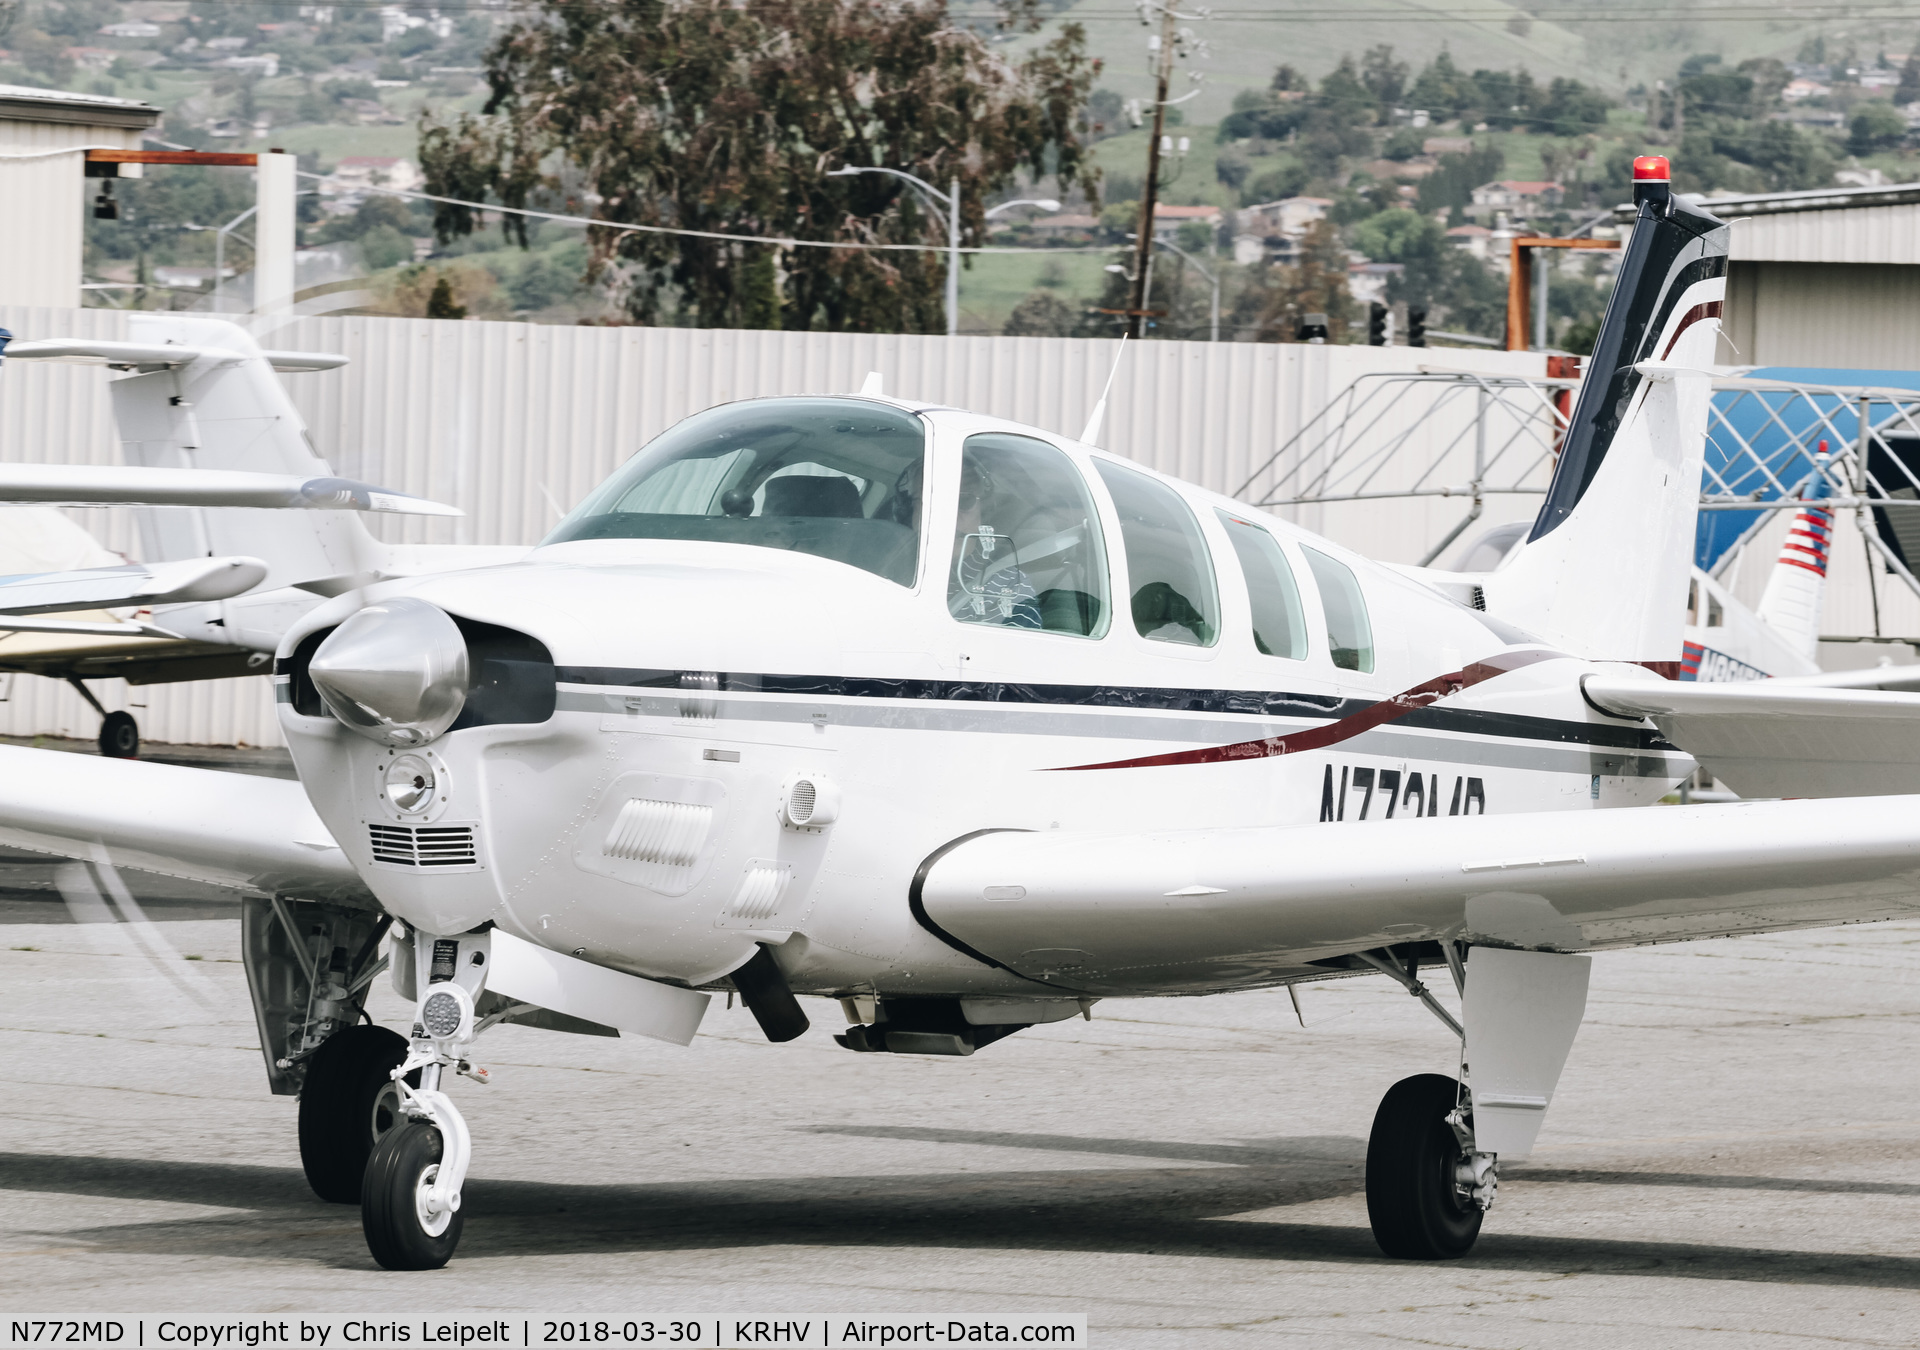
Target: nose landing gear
410 1195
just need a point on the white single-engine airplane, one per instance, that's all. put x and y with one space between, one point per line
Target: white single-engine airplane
969 725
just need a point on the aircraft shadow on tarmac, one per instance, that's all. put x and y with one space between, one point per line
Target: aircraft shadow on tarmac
1147 1211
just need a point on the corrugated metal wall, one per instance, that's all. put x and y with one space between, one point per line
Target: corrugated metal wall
40 235
1854 234
516 422
1857 316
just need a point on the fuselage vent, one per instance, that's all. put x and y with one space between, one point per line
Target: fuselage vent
760 890
423 845
667 833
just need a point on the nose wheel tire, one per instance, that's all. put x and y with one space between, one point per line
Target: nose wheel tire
120 736
1413 1195
347 1104
402 1232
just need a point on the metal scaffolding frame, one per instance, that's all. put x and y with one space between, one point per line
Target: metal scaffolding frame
1429 433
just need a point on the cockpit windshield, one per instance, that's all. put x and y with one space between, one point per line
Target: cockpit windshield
837 478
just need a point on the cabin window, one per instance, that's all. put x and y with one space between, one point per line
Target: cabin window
1279 627
1167 561
837 478
1716 616
1027 548
1349 634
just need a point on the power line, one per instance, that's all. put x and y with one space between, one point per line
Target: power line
780 240
1812 10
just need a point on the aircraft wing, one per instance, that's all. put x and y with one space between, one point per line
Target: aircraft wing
104 484
228 829
1197 910
134 585
1772 738
153 355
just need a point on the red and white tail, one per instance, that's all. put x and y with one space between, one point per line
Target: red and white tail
1790 606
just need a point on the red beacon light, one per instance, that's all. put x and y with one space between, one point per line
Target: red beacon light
1653 182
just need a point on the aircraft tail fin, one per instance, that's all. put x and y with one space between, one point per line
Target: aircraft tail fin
224 409
1791 603
1605 569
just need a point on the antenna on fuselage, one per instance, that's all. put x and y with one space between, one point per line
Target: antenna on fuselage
873 386
1100 408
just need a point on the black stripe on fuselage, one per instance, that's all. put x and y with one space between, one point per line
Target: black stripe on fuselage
1244 702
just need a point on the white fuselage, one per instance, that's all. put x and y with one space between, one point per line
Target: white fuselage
699 678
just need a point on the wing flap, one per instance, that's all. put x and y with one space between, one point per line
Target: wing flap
228 829
1772 739
1187 911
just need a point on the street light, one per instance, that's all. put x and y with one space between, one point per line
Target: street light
951 201
1044 203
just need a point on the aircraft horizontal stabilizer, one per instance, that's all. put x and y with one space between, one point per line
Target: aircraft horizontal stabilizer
109 485
1095 911
152 355
197 579
1772 738
227 829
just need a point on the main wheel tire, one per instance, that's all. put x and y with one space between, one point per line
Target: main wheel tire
1416 1213
349 1101
400 1233
120 736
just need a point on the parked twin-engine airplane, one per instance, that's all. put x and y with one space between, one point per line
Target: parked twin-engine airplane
969 725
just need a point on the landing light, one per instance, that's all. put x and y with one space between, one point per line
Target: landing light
410 783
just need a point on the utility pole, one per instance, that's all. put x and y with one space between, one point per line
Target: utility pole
1150 190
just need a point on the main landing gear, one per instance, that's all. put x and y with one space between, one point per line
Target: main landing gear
1433 1159
119 733
1427 1187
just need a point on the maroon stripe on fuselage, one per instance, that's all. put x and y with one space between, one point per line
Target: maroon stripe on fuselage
1319 738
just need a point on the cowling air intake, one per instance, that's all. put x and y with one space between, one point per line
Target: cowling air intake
1609 553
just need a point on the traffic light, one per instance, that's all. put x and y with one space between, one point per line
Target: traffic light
1377 324
1313 328
1416 325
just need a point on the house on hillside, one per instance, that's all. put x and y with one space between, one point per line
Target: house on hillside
1273 229
1167 220
1519 198
353 175
1473 240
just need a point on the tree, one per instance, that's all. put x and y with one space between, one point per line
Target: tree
1456 176
1875 126
440 305
1444 90
1315 284
1275 185
1908 90
1287 80
1345 96
1041 314
383 247
1384 77
726 115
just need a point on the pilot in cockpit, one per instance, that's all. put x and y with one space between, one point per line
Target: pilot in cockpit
987 584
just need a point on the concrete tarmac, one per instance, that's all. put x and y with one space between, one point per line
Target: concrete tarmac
1733 1160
